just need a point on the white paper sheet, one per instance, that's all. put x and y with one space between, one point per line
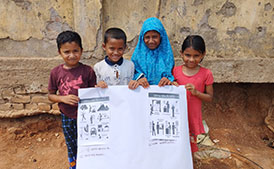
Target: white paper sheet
119 128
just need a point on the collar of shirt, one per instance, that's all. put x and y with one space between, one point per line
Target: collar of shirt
119 62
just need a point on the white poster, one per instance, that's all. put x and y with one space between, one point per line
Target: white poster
119 128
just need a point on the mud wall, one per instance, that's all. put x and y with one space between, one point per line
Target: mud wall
238 34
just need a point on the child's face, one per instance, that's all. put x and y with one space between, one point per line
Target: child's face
114 49
192 57
71 53
152 39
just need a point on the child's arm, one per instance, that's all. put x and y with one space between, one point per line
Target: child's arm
143 82
133 84
164 81
175 83
207 96
68 99
101 84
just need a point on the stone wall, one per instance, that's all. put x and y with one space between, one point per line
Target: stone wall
238 34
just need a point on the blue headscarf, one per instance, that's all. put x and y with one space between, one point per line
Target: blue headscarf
157 63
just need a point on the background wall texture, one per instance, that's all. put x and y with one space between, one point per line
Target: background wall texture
238 34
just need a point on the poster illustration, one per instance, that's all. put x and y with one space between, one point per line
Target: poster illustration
94 120
164 116
119 128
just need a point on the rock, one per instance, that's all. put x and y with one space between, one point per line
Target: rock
216 140
239 163
205 126
269 119
212 152
15 130
204 140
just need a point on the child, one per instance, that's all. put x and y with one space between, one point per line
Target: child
153 57
114 69
198 83
67 78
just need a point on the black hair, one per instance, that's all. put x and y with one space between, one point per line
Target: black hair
68 36
194 41
115 33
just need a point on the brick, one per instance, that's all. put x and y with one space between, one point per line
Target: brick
40 99
55 112
44 106
2 101
20 90
20 99
32 106
35 87
5 107
44 90
55 106
7 93
18 106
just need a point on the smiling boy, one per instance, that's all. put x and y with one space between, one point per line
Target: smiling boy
67 78
114 69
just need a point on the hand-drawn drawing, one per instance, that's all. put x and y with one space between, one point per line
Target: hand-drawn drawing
92 119
83 118
153 128
118 123
92 109
103 107
94 123
83 107
93 131
164 116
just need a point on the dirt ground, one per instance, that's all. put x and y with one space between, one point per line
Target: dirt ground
235 118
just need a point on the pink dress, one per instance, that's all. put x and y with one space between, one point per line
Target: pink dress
201 79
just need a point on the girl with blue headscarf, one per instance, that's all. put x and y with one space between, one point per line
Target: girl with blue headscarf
153 57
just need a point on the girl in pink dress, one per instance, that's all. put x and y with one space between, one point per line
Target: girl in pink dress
198 83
